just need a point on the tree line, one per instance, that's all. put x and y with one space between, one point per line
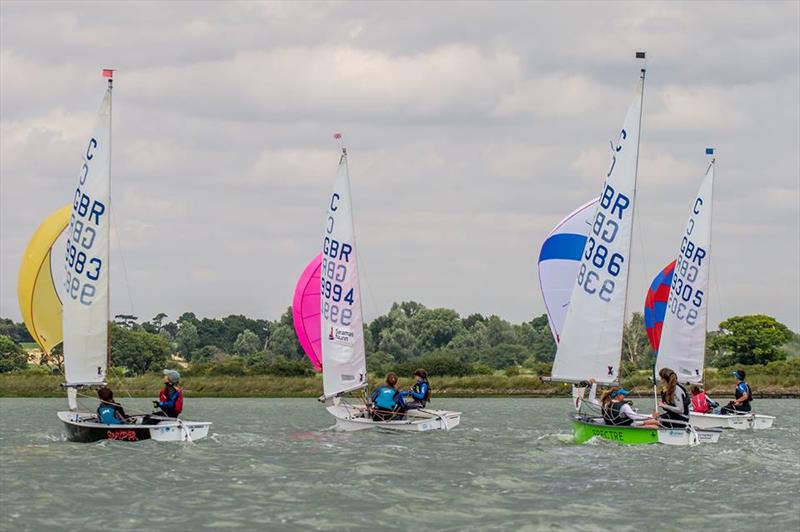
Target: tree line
409 335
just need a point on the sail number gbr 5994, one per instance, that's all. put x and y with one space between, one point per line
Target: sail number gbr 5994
83 268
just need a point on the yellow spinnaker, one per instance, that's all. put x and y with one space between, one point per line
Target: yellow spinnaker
38 300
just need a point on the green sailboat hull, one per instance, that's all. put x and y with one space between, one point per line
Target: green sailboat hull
585 431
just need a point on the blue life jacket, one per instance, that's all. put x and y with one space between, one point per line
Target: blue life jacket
741 389
107 415
385 398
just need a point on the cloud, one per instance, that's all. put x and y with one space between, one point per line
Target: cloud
471 132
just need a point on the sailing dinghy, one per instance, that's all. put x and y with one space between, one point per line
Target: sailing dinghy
75 312
339 323
680 342
590 339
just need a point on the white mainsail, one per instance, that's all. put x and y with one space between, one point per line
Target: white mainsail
591 341
683 337
85 294
344 366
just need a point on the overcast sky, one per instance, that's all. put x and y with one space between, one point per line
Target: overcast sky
472 129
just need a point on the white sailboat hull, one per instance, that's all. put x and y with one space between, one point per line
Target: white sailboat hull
351 418
84 427
747 421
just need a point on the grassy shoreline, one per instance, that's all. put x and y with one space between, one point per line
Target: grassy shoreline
37 385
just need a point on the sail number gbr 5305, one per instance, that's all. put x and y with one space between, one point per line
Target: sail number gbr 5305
83 268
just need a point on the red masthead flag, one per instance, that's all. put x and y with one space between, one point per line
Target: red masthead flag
108 73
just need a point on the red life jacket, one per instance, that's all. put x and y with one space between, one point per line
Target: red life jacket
178 401
700 403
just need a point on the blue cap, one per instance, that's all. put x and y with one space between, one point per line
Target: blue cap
621 391
737 374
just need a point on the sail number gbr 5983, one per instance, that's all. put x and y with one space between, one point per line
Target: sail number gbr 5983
83 269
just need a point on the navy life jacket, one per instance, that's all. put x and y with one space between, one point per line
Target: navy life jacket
386 398
108 414
738 394
612 414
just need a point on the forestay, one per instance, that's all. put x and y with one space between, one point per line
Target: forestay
591 341
343 360
683 336
560 261
86 263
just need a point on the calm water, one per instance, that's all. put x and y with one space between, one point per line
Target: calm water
272 464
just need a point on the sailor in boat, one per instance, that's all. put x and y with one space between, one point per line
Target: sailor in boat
743 395
109 411
674 401
387 401
702 403
616 408
170 400
420 393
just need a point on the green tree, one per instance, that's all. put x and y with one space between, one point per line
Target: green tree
473 338
472 320
12 356
138 351
749 340
246 343
187 339
499 331
434 328
284 342
399 343
380 363
16 331
635 344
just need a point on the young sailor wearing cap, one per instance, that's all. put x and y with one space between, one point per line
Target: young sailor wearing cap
617 410
743 395
170 400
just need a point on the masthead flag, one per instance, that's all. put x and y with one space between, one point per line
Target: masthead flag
709 151
640 55
108 73
337 135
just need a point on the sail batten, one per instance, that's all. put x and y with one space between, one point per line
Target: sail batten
342 332
591 341
683 334
86 263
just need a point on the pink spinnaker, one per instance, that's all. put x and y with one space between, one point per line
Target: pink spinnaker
306 312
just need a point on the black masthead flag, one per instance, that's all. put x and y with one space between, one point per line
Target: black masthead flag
640 55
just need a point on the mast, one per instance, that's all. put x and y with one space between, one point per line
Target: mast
639 55
109 72
592 336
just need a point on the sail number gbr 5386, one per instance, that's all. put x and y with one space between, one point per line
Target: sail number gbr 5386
83 268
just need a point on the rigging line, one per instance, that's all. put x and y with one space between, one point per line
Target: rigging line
122 259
